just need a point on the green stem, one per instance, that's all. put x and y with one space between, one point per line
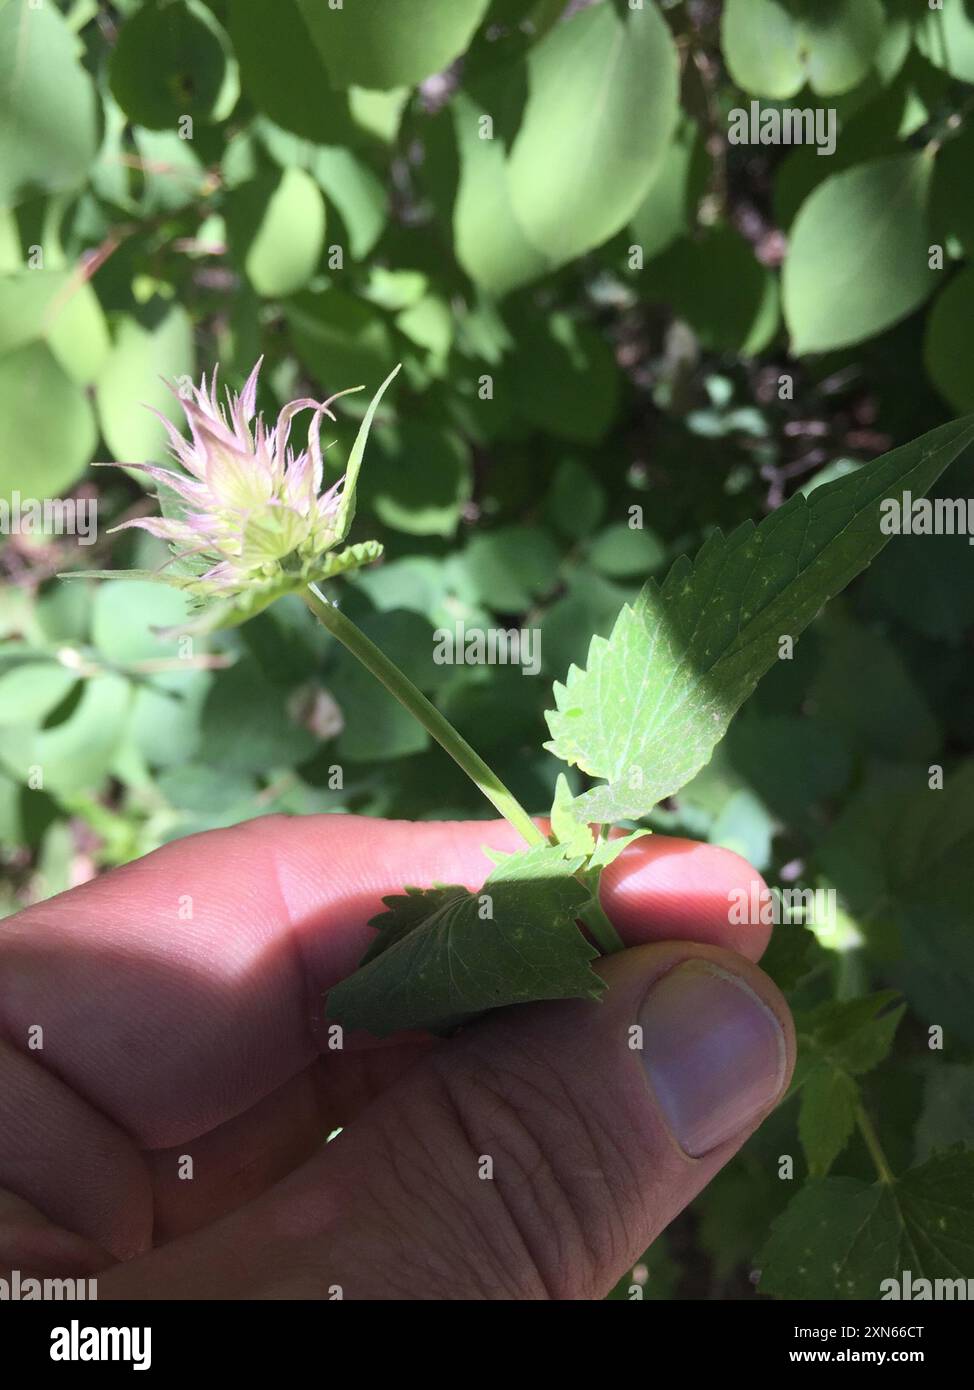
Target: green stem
425 711
399 685
868 1132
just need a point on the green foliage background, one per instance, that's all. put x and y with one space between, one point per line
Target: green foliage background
597 309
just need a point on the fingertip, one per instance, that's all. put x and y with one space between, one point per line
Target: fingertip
663 888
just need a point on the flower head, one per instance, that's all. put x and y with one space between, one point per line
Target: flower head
245 514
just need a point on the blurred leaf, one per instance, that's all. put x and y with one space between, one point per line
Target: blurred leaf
375 43
418 478
590 605
668 209
575 504
945 37
245 726
342 340
601 107
48 111
124 614
773 47
276 225
59 308
716 284
563 377
282 72
881 710
142 360
951 206
356 192
509 567
858 255
170 61
47 427
948 1107
949 340
29 693
488 241
622 551
75 754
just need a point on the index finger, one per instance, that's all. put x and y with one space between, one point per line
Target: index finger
177 991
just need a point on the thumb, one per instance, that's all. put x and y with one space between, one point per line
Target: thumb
539 1153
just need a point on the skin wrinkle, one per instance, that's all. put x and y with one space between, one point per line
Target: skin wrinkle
521 1100
461 1101
425 1184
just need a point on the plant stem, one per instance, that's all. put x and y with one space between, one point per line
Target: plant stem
425 711
399 685
868 1132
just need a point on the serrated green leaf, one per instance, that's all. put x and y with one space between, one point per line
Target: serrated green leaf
836 1043
841 1238
572 834
440 958
658 695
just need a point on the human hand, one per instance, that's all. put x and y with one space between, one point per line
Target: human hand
180 999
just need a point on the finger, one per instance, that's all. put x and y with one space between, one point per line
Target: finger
666 889
535 1156
179 990
196 1183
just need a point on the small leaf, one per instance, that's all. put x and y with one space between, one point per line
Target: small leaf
346 509
445 954
836 1043
572 834
660 692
